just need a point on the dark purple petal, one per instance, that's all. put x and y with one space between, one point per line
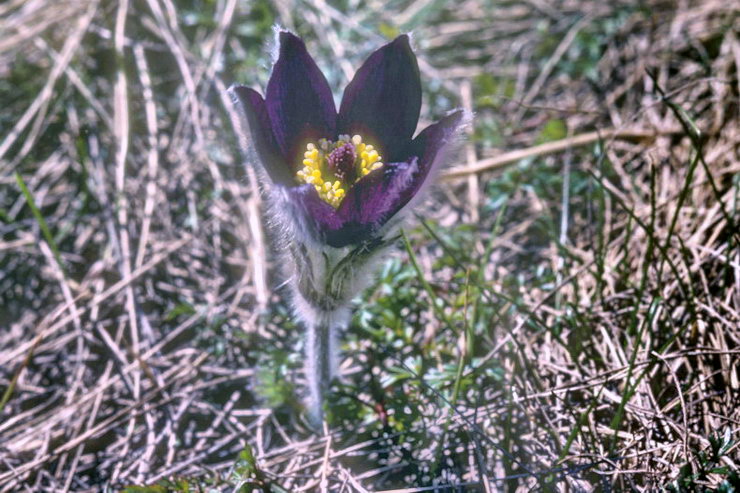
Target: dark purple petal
371 202
374 195
299 100
315 213
429 146
252 108
383 101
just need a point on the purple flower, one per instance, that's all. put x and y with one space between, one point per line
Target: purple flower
345 175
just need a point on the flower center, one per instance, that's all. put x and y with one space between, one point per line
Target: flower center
341 162
333 167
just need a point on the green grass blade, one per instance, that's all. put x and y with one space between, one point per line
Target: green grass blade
45 231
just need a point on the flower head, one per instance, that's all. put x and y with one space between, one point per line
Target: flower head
349 173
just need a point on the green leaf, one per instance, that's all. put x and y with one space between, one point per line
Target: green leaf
181 309
553 130
388 30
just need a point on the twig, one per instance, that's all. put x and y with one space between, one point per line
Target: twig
511 157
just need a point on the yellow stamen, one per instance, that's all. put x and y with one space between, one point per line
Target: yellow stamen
316 172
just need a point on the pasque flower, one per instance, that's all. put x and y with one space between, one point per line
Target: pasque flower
338 182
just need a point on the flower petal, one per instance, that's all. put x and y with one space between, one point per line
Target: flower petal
314 215
299 99
371 202
429 146
253 113
383 100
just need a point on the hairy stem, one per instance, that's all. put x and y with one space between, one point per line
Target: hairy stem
318 367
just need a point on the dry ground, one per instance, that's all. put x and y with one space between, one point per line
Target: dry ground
598 193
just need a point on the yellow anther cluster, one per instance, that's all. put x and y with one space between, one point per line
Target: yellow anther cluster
368 156
315 171
314 161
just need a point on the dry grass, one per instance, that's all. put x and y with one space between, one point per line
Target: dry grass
136 284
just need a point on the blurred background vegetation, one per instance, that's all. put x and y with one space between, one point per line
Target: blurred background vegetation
562 316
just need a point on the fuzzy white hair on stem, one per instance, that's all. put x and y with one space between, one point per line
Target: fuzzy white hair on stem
322 282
